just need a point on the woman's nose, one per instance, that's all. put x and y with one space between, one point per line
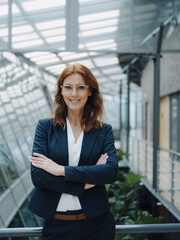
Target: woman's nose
74 91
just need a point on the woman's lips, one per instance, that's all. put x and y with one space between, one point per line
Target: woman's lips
75 100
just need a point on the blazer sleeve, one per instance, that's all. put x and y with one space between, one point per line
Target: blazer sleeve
97 174
43 179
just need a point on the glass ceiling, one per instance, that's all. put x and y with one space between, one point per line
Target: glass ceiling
52 34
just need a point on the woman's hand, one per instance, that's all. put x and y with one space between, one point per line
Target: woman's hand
102 159
47 164
88 186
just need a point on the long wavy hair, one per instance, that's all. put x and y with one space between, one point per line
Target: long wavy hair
93 109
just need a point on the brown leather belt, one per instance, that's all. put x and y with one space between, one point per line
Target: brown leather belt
69 217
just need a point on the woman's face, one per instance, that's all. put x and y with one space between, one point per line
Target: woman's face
75 92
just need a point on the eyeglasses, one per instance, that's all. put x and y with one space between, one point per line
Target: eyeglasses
80 89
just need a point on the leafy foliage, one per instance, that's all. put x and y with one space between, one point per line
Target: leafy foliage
121 154
123 199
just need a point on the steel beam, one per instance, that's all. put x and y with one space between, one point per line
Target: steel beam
72 25
132 24
175 11
128 108
9 25
120 110
156 107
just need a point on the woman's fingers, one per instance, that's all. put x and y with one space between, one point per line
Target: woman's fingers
39 155
102 159
103 156
39 158
34 159
47 164
37 162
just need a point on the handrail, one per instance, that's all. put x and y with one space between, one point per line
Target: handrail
141 161
169 150
120 229
148 228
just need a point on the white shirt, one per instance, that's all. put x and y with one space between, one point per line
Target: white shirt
67 201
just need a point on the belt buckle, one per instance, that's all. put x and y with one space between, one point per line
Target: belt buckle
77 217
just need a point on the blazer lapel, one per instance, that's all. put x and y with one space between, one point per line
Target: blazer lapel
61 138
87 144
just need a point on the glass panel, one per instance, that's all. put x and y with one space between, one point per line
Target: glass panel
99 25
175 122
17 222
4 23
28 217
148 16
25 149
7 164
32 35
18 159
177 5
24 146
3 186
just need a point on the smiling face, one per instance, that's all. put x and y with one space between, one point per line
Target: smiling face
75 92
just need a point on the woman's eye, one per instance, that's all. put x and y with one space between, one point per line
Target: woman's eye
67 88
81 87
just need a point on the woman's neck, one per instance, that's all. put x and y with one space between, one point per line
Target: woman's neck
74 118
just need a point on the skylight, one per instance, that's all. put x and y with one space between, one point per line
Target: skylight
28 43
100 43
56 67
46 61
75 56
35 54
42 57
42 4
4 9
99 31
20 38
51 24
105 23
56 39
98 16
41 25
54 32
22 29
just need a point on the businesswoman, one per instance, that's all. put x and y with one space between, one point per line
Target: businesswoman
73 158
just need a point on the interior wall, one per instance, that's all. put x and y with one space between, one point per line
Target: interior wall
169 83
147 100
164 122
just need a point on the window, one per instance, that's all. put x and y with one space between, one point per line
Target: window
175 122
7 164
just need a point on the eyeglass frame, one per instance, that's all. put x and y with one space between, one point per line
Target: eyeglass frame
74 87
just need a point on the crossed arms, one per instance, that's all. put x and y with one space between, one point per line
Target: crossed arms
73 180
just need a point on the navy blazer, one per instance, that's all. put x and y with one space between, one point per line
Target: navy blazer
51 141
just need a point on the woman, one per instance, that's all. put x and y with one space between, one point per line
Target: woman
73 158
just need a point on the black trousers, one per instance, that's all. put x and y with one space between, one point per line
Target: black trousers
102 227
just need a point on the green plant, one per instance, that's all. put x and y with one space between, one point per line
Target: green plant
116 133
123 199
121 154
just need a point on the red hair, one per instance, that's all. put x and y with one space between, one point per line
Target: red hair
93 109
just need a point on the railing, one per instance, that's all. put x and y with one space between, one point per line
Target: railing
168 174
120 229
